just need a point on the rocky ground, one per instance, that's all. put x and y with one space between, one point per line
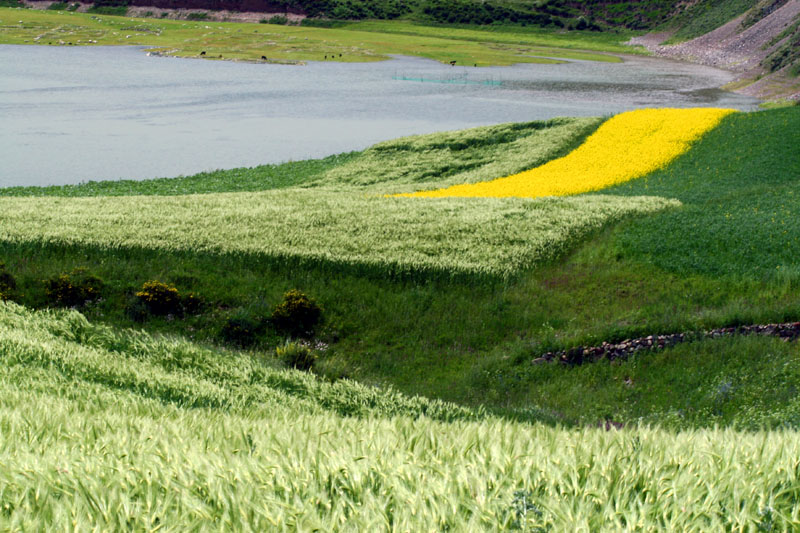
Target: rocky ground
622 350
741 51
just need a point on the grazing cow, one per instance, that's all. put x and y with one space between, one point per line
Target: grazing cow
452 63
264 58
203 53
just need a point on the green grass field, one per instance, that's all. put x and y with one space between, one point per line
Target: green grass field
341 219
110 430
739 189
374 236
399 312
249 42
443 305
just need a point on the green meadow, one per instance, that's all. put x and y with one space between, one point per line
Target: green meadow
354 227
277 43
452 299
112 430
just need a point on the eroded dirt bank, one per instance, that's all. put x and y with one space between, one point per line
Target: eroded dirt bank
742 51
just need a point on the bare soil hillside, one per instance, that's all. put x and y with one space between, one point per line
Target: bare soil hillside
740 50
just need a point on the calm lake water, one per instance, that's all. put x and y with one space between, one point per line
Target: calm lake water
89 113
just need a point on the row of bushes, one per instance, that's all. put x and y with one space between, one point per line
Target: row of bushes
469 12
355 9
295 316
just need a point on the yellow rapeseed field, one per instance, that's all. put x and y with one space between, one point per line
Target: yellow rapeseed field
627 146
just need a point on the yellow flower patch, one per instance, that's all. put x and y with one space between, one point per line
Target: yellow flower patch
627 146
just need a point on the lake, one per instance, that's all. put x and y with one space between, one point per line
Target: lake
74 114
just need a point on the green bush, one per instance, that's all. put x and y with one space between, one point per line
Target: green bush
160 298
322 23
58 6
7 283
296 355
73 7
73 289
136 309
297 315
240 330
278 19
119 11
197 16
192 304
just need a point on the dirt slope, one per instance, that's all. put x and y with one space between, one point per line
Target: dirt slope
741 51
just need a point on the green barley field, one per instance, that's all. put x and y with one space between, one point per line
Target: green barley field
114 430
423 410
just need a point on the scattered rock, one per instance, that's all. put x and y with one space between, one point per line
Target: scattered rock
578 355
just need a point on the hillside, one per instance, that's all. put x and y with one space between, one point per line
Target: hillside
111 430
453 297
762 45
153 336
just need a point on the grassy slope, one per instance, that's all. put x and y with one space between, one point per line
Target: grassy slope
741 201
240 41
347 228
611 42
450 238
109 430
438 160
703 17
460 341
399 165
259 178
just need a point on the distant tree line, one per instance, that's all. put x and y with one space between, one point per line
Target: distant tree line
571 14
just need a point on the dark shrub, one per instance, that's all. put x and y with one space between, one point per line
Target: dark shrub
240 330
119 11
58 6
192 304
73 289
297 315
160 298
278 19
296 355
136 309
7 283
